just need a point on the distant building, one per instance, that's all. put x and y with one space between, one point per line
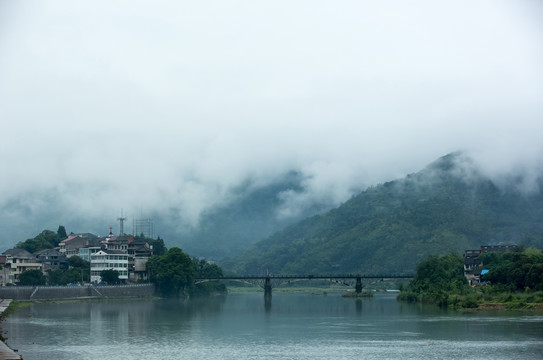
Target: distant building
109 260
498 248
71 245
4 272
138 250
473 264
85 253
18 261
51 259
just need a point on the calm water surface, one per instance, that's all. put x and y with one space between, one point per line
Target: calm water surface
295 326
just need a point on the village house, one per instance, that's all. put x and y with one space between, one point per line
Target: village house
138 250
71 245
16 262
51 259
85 253
473 264
109 260
4 271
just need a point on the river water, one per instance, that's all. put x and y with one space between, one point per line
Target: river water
294 326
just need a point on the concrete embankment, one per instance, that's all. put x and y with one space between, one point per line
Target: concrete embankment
75 292
5 352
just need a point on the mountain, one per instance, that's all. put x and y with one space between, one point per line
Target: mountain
389 228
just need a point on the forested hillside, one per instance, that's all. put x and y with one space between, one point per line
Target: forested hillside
250 217
446 207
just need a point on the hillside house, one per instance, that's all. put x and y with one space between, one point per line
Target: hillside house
473 264
4 272
51 259
85 253
17 261
71 245
138 250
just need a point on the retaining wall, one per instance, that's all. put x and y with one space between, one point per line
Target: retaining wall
75 292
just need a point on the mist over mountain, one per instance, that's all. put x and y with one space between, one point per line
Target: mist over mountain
250 212
250 216
448 206
183 112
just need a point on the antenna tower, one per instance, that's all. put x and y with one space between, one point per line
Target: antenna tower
121 223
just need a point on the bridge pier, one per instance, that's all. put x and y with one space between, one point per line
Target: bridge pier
358 286
267 288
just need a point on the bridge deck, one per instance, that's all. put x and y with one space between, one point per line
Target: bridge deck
309 277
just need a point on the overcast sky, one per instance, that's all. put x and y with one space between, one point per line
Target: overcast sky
169 104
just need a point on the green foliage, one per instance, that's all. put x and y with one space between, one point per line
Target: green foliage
78 271
31 278
171 272
47 239
61 233
205 269
158 246
110 276
436 279
77 262
439 281
519 270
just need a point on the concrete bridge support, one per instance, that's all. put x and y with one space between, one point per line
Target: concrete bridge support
358 286
267 288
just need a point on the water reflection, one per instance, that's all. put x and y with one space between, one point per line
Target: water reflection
296 326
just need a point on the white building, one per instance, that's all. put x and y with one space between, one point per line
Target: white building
109 260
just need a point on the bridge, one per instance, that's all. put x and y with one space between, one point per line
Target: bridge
268 279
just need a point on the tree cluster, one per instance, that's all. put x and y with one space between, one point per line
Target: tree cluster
47 239
173 274
436 279
519 270
77 271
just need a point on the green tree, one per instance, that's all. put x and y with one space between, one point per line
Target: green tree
47 239
32 278
56 277
61 233
77 262
172 272
517 270
78 271
110 276
436 278
158 246
206 269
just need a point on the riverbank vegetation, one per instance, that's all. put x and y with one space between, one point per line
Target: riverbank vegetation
514 281
174 275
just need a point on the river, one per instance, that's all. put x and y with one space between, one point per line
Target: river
294 326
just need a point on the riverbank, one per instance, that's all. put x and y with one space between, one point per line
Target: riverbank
6 353
75 292
479 299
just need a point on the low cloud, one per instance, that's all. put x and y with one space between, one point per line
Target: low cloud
166 108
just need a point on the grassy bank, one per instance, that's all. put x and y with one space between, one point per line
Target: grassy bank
483 298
